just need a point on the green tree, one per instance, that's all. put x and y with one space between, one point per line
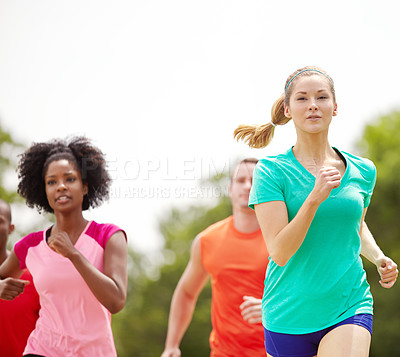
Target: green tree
9 150
381 144
140 329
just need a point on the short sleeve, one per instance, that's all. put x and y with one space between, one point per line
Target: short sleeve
267 183
110 230
370 180
102 232
22 246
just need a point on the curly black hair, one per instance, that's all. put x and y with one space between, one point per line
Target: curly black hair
79 151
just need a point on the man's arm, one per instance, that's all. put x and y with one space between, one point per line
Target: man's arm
184 300
10 285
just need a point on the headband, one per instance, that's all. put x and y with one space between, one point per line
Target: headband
307 70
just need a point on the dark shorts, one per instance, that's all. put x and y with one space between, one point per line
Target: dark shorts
306 345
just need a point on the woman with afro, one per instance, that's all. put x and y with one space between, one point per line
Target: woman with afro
79 267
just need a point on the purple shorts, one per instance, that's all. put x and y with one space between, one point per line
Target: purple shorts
306 345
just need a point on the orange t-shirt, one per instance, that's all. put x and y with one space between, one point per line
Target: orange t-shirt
236 262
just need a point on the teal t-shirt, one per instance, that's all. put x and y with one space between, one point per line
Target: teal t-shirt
324 282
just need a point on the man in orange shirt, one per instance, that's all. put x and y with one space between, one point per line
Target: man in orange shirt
233 253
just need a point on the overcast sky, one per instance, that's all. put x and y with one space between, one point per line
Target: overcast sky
160 85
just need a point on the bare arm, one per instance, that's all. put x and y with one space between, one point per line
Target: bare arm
184 300
284 238
110 287
10 285
387 268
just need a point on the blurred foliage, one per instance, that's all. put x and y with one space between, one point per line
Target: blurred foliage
140 329
381 144
9 150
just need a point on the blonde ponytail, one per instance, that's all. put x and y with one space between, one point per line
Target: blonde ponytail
259 136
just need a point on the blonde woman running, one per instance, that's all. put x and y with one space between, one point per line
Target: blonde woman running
311 202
